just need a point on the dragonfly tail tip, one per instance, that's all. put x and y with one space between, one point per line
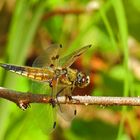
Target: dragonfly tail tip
3 65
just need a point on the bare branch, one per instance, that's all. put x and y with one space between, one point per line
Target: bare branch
66 11
106 101
24 99
63 12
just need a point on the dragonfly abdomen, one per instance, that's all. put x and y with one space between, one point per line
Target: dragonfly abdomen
39 74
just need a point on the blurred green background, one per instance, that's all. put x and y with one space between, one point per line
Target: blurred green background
27 27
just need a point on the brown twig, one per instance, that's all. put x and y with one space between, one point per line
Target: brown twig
88 8
64 11
24 99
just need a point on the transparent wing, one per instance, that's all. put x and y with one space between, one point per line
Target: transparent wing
49 57
45 117
45 114
67 111
67 61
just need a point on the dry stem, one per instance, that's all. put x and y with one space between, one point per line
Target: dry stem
23 100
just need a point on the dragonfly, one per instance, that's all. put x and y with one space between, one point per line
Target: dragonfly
50 69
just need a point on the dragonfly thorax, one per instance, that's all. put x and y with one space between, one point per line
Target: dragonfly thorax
72 77
66 76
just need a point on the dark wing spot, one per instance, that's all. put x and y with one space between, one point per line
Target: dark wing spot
55 57
61 46
54 125
90 45
75 112
51 65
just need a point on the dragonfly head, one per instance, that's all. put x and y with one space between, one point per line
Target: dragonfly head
82 80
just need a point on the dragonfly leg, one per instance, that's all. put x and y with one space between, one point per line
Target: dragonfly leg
52 92
58 93
52 87
69 97
52 102
52 84
72 100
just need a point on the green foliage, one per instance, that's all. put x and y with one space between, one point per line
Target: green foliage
93 129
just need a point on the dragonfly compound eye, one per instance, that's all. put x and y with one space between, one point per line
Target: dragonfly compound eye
82 80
